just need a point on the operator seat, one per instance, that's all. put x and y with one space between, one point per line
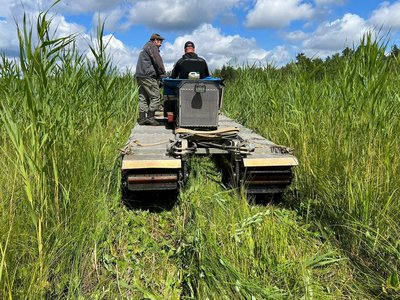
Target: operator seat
193 65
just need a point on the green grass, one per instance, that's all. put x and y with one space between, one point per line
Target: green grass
343 128
59 167
213 244
64 233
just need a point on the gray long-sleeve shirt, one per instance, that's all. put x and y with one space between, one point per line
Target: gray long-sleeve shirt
150 63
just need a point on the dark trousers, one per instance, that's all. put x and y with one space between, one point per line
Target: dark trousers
149 94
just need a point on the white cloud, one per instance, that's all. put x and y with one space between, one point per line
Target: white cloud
219 49
296 36
8 39
279 56
16 8
387 16
328 2
87 5
9 43
176 14
5 8
333 37
11 13
111 19
122 57
194 18
277 13
158 14
63 28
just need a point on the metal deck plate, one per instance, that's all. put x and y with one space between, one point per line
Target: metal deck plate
147 148
263 154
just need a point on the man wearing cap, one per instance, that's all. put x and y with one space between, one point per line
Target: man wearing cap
149 70
190 62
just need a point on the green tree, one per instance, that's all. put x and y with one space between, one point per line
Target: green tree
394 51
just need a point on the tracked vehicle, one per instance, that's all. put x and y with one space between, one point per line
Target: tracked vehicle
155 158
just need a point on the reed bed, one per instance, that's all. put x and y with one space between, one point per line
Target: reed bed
58 167
343 128
65 234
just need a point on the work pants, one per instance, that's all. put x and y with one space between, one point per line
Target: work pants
149 94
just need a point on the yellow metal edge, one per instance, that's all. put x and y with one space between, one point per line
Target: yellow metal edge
151 164
270 162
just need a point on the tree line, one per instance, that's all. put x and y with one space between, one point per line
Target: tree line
318 67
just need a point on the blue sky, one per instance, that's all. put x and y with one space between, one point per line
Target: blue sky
234 32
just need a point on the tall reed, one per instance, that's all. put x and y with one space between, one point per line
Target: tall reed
343 127
63 230
54 138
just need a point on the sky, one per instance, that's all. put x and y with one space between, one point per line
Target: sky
225 32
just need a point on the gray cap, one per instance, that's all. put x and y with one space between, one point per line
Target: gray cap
156 36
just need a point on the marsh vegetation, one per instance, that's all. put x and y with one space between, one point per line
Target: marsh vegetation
64 232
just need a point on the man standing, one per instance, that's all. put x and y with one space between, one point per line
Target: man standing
149 70
190 62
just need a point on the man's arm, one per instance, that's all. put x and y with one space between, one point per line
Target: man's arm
205 67
176 69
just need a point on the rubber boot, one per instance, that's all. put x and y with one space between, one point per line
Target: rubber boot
142 118
151 120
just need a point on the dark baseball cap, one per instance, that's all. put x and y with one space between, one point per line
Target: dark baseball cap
156 36
189 44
